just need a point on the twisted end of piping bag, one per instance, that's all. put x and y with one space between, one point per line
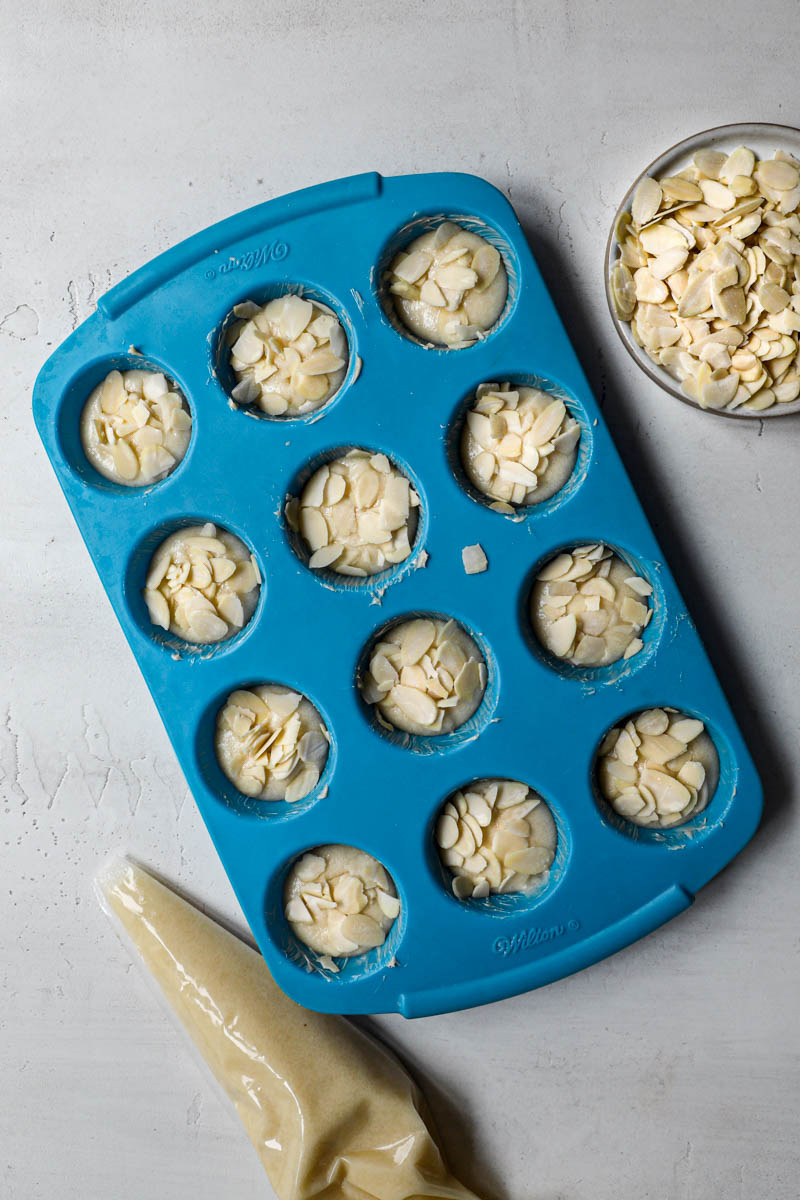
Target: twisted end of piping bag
330 1112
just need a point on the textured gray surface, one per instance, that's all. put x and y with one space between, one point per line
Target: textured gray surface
670 1070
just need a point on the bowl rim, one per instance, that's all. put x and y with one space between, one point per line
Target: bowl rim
714 131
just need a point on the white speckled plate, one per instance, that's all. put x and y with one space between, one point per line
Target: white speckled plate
764 140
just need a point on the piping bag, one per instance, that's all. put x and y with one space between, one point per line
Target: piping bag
330 1112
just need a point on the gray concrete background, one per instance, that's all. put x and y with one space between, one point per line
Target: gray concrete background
669 1071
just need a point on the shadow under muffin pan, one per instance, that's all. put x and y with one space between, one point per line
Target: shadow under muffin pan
376 793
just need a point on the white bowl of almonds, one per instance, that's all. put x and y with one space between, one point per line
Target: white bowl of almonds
703 270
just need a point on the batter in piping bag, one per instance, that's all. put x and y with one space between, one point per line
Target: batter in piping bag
330 1112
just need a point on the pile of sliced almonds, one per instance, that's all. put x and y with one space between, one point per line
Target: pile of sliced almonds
648 772
449 286
425 676
340 901
135 427
271 743
708 276
589 607
515 442
358 514
202 584
496 836
289 357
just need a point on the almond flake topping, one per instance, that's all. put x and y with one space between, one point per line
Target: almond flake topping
135 427
448 287
358 514
289 357
497 835
519 444
588 609
711 286
202 584
474 559
425 676
340 902
659 769
271 743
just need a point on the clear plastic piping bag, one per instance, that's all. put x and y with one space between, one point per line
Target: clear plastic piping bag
330 1112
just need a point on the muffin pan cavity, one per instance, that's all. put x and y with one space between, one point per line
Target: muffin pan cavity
332 734
447 282
286 353
125 424
497 840
589 609
657 770
193 587
520 447
227 760
356 516
427 683
271 743
342 914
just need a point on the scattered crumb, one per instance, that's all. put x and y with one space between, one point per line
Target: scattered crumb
501 506
422 560
357 371
327 963
474 559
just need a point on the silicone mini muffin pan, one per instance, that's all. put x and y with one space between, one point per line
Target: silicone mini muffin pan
540 720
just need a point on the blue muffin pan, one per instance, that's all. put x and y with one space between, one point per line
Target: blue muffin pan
539 722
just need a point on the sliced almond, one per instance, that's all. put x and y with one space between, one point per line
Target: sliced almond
415 705
363 931
561 635
646 200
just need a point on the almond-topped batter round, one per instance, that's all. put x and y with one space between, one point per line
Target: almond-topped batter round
271 742
289 356
357 514
425 676
519 444
588 607
340 901
449 286
135 427
202 585
659 769
497 835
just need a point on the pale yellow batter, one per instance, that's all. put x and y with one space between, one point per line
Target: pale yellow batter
589 608
358 515
332 1115
202 585
289 356
659 769
497 835
339 901
135 427
449 286
425 676
519 444
271 743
